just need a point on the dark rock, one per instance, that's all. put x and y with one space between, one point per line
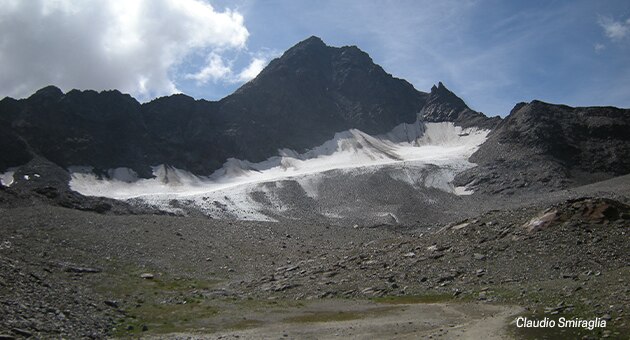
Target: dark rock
22 332
111 303
445 278
49 192
83 270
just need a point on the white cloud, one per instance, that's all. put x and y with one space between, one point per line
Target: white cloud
214 70
251 71
615 30
218 70
257 63
599 47
134 46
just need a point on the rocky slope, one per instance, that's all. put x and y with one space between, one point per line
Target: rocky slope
542 147
562 255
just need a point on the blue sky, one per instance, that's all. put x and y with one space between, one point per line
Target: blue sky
493 54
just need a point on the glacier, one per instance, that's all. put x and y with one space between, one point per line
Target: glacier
231 191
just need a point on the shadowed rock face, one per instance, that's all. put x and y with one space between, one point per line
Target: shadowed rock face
17 152
78 128
592 139
547 146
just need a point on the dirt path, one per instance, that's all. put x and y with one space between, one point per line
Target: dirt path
367 320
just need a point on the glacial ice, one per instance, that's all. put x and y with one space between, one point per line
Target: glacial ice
227 192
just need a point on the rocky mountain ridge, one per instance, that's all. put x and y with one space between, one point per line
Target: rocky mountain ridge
298 101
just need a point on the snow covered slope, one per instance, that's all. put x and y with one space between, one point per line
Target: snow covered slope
245 190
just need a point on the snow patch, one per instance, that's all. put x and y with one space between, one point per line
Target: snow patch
310 185
7 178
463 191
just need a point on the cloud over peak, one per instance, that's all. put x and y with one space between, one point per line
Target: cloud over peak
217 69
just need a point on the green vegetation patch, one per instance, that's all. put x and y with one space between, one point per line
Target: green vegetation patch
161 304
414 299
244 324
328 316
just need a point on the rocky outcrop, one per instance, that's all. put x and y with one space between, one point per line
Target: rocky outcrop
444 106
547 147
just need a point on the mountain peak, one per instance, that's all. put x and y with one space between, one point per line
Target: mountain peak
312 40
440 93
49 91
309 44
445 106
314 89
441 89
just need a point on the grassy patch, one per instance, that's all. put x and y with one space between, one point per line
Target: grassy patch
328 316
268 306
413 299
160 305
166 318
244 324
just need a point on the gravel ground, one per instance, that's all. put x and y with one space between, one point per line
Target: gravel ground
81 274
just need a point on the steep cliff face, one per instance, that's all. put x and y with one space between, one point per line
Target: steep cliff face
187 133
102 130
15 151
